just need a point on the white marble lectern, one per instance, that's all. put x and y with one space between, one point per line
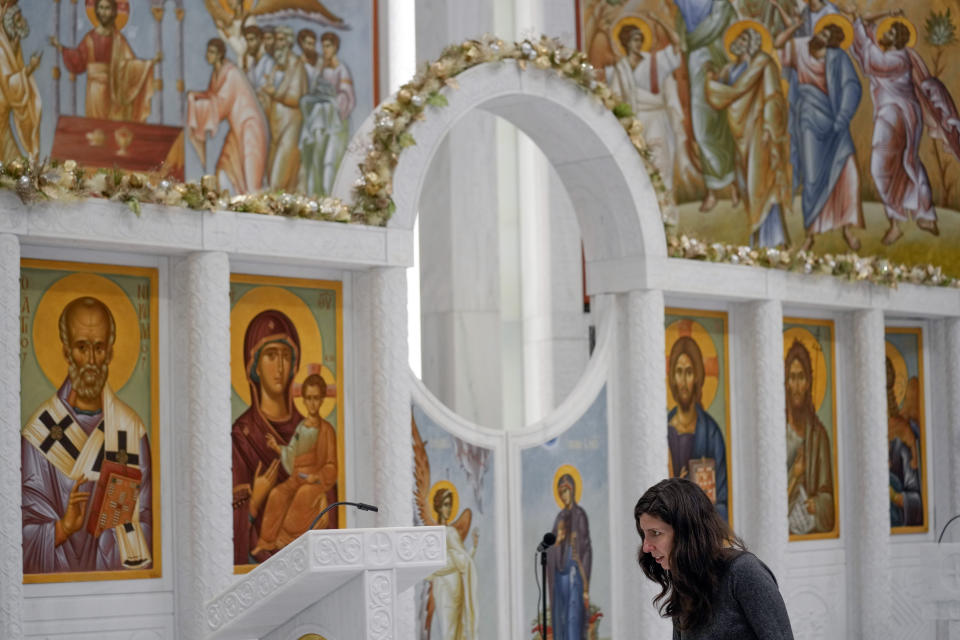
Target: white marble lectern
341 584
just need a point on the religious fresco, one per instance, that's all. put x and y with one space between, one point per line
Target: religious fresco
809 365
698 402
90 463
286 370
267 92
906 436
566 491
811 124
452 489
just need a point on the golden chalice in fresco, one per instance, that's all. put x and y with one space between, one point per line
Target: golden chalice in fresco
124 137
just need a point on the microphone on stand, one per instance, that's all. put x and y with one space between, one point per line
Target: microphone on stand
359 505
547 542
549 538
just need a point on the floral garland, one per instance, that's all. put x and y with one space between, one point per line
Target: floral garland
873 269
372 192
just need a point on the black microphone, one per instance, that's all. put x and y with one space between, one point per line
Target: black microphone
547 542
359 505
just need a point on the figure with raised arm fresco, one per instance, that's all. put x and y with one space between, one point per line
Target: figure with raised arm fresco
119 84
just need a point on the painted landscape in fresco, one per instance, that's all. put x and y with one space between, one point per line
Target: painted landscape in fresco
826 125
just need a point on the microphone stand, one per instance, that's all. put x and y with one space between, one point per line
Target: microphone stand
543 581
359 505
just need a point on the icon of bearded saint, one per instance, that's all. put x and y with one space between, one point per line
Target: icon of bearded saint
77 440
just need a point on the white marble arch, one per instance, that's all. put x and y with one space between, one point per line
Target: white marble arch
603 174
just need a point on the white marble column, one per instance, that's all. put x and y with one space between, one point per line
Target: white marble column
869 529
11 534
762 517
642 411
203 564
951 335
389 397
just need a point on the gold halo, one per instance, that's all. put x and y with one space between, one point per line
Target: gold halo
328 403
573 471
260 299
766 42
46 326
639 23
444 484
840 21
311 636
899 372
711 375
887 22
123 13
817 360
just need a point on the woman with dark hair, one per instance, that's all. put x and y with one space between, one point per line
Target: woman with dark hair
710 585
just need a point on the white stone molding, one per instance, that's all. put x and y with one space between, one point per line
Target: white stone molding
11 532
104 225
951 347
642 424
762 433
203 562
869 527
320 563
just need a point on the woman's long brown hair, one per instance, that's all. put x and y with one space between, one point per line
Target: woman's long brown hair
703 544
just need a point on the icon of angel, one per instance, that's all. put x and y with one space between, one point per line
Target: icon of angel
453 589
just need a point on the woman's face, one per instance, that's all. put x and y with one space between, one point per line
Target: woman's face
276 360
657 539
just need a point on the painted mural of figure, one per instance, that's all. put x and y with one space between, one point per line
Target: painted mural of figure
895 165
310 459
283 89
569 563
706 21
749 93
903 434
326 118
271 358
454 587
260 71
693 435
824 95
638 78
229 97
810 15
307 41
119 85
809 459
254 50
63 447
451 592
20 107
